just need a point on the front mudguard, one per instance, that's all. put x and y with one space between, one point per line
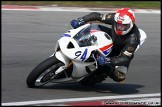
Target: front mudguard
60 56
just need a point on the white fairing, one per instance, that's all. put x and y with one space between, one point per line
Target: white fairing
79 54
142 38
79 69
59 55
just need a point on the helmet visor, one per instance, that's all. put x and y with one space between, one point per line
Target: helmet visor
122 27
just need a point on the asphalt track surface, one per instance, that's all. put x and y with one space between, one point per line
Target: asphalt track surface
29 37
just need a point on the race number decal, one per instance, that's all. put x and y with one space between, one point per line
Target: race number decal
78 53
84 55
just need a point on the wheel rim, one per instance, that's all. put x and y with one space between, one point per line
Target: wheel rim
47 76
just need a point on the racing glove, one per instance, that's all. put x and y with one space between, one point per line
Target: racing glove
103 61
76 23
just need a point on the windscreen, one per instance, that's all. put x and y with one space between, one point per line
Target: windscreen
84 38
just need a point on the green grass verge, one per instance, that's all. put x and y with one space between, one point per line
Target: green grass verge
103 4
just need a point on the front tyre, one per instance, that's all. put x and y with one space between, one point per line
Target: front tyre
43 73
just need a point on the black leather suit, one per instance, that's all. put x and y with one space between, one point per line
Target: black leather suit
123 46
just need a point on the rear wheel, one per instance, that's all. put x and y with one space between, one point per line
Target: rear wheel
44 72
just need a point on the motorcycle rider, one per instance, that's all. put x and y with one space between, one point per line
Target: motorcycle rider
125 36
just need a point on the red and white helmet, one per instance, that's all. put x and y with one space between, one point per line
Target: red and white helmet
124 21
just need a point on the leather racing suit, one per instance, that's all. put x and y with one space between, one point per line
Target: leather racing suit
123 46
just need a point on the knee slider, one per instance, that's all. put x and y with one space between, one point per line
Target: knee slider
119 74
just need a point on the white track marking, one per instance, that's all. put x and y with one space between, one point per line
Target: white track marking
81 99
74 9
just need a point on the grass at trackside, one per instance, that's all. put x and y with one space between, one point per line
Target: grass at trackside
103 4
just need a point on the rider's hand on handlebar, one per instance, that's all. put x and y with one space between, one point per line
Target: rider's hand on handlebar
76 23
103 60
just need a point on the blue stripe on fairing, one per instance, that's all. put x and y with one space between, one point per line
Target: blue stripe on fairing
66 35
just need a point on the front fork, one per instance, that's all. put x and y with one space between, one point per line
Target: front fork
60 56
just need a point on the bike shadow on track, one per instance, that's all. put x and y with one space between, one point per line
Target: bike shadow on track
117 88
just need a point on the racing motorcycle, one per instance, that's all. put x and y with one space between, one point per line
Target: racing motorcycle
74 58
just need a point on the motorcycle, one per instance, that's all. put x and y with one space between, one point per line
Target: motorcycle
74 58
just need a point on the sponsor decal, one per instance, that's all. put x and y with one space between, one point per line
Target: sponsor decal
120 18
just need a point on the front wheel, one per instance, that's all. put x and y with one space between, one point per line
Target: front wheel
43 73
